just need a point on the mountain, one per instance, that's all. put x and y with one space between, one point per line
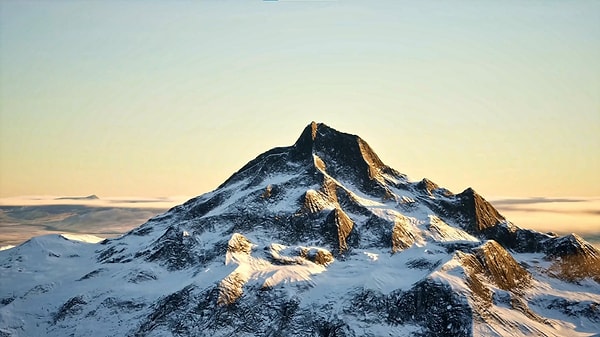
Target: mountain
89 197
320 238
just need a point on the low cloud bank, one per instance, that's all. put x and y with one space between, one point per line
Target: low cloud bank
560 215
94 201
24 217
19 223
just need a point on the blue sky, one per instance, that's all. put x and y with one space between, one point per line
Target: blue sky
153 98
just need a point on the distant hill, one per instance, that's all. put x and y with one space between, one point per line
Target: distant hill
89 197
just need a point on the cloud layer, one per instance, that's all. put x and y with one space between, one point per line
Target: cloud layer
94 201
24 217
559 215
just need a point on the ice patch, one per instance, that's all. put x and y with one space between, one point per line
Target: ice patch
82 238
372 256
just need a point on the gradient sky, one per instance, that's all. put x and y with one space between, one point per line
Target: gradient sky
160 98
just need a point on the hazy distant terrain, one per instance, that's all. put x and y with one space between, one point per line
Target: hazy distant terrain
19 223
23 218
113 217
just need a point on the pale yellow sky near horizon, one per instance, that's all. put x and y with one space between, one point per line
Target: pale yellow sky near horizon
158 99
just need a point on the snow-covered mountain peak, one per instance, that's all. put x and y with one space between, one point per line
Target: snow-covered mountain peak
319 238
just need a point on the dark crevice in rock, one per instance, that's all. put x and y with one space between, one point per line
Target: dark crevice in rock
72 307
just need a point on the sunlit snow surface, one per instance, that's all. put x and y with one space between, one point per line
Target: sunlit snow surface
83 238
44 273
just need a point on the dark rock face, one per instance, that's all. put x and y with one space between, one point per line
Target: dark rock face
569 245
402 236
345 150
585 309
339 228
500 267
574 259
426 305
479 214
343 156
72 307
471 211
202 318
174 249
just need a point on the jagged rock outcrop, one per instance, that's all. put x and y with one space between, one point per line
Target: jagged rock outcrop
573 258
340 226
402 234
281 254
478 213
499 267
